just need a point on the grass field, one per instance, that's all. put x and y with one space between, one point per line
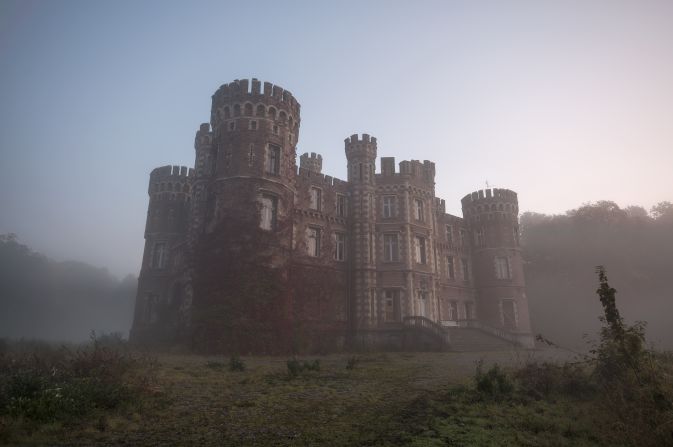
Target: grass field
419 399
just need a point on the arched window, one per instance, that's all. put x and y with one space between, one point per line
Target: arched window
272 113
282 116
261 111
227 113
248 109
290 122
237 110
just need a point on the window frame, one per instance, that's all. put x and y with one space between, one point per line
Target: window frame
391 247
388 206
315 203
273 154
340 243
318 236
420 250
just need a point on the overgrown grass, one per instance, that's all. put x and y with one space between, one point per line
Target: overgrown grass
44 385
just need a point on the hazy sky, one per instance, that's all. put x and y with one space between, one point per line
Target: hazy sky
563 101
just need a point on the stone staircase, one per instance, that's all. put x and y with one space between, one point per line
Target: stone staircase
464 339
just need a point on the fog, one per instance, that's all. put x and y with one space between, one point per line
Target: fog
59 301
65 301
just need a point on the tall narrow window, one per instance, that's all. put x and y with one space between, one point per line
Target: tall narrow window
313 241
391 251
449 235
339 247
479 238
469 310
316 199
268 212
273 159
388 206
391 305
421 256
418 209
466 269
450 268
453 310
502 270
159 255
463 238
509 314
341 205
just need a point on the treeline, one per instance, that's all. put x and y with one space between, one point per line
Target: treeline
561 252
61 301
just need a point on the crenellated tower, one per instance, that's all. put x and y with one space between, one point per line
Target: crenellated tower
160 297
492 216
361 156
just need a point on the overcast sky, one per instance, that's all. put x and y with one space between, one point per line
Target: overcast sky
564 102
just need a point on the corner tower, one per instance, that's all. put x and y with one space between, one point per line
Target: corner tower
492 216
361 155
160 299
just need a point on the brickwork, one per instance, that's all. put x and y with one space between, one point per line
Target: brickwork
367 252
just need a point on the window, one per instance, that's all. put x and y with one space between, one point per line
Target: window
252 125
469 310
502 270
339 247
391 251
466 269
508 313
449 235
450 268
479 238
388 206
232 125
275 130
268 212
463 238
418 209
341 205
515 233
391 305
453 310
313 241
421 257
316 196
273 159
159 255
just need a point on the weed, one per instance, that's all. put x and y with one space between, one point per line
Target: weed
236 364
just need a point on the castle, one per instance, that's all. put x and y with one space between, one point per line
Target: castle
400 268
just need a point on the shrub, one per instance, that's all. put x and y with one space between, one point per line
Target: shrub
46 384
352 362
494 383
295 367
236 364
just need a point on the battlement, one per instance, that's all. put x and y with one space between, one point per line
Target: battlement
360 145
490 200
170 179
254 91
318 178
312 162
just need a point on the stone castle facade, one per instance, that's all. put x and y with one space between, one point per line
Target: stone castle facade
398 264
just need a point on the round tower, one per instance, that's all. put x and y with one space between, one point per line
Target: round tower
361 156
255 130
159 297
492 216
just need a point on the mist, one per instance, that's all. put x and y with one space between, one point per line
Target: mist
59 301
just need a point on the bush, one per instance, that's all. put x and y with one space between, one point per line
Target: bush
236 364
295 367
352 362
495 383
46 384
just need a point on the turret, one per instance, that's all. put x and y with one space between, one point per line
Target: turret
312 162
492 216
361 155
158 300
